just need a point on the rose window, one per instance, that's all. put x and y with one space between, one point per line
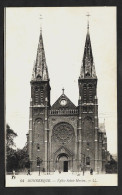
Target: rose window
63 133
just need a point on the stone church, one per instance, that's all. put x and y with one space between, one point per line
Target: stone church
65 137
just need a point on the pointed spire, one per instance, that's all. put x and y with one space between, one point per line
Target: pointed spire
87 68
40 71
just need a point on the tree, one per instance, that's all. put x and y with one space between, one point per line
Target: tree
16 159
10 152
23 158
111 166
10 135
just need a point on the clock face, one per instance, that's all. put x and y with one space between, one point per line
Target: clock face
63 102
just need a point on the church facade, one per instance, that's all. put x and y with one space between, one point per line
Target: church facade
63 136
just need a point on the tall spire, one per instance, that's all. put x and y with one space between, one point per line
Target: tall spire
87 68
40 70
88 23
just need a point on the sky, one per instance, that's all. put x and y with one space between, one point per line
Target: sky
64 33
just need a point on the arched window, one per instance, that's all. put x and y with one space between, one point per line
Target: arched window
90 93
88 132
87 160
36 95
63 132
39 130
41 94
84 93
38 147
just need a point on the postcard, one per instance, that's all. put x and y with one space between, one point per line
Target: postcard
61 96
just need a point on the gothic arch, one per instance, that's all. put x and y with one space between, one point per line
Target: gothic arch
88 129
85 92
62 150
36 95
90 88
39 130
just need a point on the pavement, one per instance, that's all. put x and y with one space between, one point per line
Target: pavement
61 179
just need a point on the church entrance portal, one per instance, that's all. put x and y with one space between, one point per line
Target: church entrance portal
62 162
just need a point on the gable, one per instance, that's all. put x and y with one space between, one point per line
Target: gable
63 102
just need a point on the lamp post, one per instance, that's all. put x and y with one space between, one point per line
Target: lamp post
30 165
38 164
39 161
49 165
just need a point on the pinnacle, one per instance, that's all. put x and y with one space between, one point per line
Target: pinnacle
87 68
40 70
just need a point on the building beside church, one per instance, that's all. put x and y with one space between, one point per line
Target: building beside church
64 136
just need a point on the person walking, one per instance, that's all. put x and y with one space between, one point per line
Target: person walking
28 173
59 170
91 171
83 170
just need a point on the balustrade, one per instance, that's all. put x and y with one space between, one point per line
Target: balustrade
64 112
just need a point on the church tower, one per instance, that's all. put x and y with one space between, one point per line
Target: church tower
39 106
88 109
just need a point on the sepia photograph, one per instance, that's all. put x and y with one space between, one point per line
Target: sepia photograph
60 96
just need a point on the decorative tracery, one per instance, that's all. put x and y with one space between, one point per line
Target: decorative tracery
36 95
63 133
41 95
39 130
90 93
88 132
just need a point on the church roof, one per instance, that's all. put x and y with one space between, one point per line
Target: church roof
63 102
87 67
40 70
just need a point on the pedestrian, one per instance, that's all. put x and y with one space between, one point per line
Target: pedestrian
91 171
59 170
83 170
28 173
13 174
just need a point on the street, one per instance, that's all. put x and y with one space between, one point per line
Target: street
62 179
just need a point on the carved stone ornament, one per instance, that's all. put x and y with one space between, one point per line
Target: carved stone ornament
38 78
63 133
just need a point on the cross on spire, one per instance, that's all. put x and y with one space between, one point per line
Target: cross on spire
88 15
63 90
41 24
88 68
40 70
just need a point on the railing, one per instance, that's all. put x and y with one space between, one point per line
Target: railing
64 112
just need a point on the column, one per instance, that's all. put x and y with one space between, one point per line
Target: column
30 132
79 136
96 134
46 138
